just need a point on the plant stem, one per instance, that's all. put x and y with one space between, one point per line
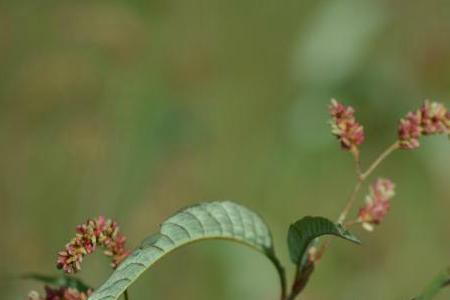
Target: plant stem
125 295
361 178
302 276
292 295
379 160
351 200
281 274
351 223
357 159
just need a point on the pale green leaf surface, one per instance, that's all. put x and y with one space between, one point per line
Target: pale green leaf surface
215 220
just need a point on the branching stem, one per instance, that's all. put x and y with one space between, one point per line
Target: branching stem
379 160
361 179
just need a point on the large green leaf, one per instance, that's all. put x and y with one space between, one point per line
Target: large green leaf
439 282
305 230
215 220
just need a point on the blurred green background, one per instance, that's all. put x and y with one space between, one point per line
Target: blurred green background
135 109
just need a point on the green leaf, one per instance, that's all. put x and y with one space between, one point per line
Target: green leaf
305 230
438 283
215 220
59 281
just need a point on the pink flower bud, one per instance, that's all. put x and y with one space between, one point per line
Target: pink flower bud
431 118
435 118
377 203
345 127
410 130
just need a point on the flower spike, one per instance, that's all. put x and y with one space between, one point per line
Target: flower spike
377 203
95 232
432 118
344 126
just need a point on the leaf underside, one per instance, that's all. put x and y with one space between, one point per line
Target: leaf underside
305 230
215 220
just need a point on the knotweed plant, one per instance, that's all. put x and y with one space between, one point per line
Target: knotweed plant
233 222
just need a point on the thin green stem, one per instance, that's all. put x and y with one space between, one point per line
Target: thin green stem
281 274
125 295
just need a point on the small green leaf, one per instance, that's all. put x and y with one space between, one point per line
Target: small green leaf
438 283
59 281
215 220
305 230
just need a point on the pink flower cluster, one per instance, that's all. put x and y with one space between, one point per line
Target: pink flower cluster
345 127
61 293
97 232
377 203
431 118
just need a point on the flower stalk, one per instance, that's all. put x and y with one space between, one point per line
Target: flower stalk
431 118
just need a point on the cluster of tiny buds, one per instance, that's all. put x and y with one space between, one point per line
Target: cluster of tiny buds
377 203
61 293
431 118
344 126
95 232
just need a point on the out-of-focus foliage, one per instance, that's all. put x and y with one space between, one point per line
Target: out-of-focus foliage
59 281
134 109
439 282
